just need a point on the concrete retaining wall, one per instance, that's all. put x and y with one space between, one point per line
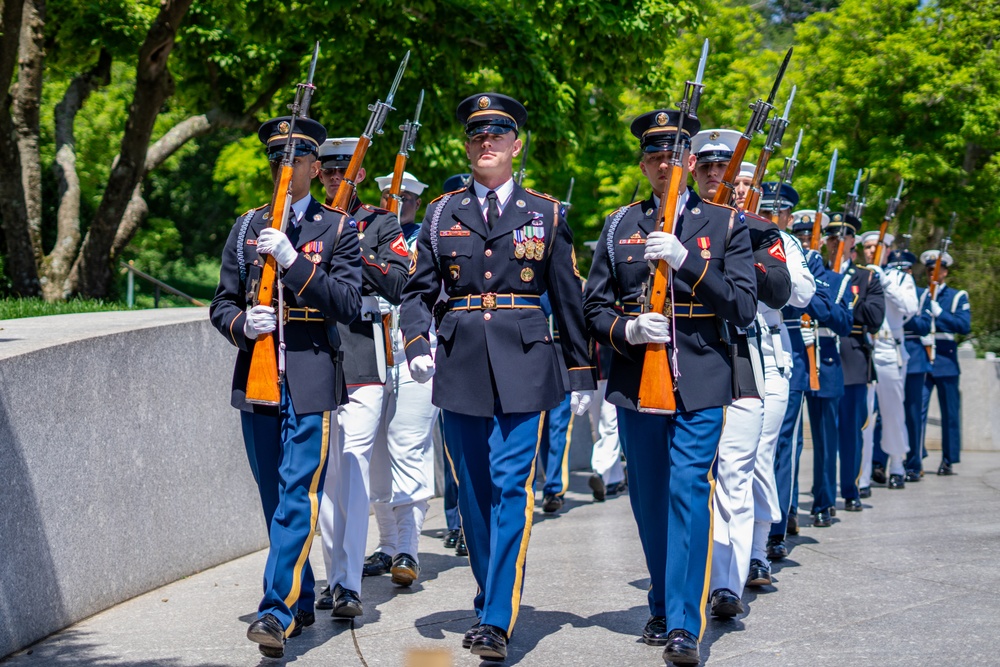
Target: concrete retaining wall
121 463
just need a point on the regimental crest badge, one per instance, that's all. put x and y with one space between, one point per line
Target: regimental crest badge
283 127
713 136
527 274
454 272
484 102
661 119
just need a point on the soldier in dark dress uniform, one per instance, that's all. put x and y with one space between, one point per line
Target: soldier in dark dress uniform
672 458
384 269
496 248
321 274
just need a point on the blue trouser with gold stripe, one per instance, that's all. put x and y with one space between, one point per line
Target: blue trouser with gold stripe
494 460
556 438
853 414
823 418
671 476
288 455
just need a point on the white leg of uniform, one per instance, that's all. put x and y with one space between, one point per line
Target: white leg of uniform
765 488
380 472
891 387
733 525
606 457
344 510
868 438
410 520
388 531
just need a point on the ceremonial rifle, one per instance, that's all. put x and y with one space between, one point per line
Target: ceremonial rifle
410 129
635 193
850 208
908 236
524 159
786 175
773 140
890 212
807 322
380 110
761 109
267 362
567 204
659 368
935 282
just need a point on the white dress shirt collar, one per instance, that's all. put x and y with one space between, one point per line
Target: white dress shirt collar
503 194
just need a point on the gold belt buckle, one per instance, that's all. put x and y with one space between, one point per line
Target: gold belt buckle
489 301
284 315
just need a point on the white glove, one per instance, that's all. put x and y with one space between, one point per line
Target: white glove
260 320
422 368
927 340
808 336
648 328
579 402
275 243
878 271
660 245
936 309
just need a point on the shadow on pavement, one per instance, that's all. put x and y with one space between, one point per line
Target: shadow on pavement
75 647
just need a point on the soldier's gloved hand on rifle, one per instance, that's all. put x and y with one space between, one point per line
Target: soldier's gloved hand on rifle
260 320
927 340
422 368
879 271
274 242
936 309
660 245
648 328
579 402
808 336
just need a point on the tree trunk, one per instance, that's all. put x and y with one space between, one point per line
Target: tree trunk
27 99
154 84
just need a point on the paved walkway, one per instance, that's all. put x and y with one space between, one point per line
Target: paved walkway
913 579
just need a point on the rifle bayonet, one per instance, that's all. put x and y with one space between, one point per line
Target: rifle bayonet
524 159
380 110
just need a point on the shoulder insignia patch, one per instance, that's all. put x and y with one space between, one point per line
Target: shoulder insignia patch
399 246
777 251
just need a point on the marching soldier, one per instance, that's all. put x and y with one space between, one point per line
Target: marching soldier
402 465
671 458
891 358
952 317
384 268
868 307
917 368
287 445
733 526
497 248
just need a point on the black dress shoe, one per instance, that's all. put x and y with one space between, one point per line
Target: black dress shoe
760 573
303 619
878 473
269 634
461 549
865 492
945 468
832 510
616 488
655 632
821 519
726 604
325 600
853 505
897 481
792 527
682 648
346 603
404 569
377 564
596 483
470 636
451 539
490 642
913 475
551 503
776 549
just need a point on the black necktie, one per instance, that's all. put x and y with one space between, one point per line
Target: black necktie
492 209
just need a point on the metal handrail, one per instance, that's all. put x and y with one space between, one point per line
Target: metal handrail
158 284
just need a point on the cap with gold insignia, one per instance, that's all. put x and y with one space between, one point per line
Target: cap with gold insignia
840 219
929 258
336 153
307 133
457 182
802 221
410 183
872 235
716 145
657 129
491 113
788 199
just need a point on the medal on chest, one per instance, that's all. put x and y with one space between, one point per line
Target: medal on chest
705 243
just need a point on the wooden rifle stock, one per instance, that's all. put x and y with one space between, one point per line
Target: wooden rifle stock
883 228
397 183
724 195
806 320
932 292
262 379
656 387
752 201
345 191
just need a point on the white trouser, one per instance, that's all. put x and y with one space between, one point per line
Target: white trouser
891 388
868 438
734 497
766 509
343 512
606 458
402 468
